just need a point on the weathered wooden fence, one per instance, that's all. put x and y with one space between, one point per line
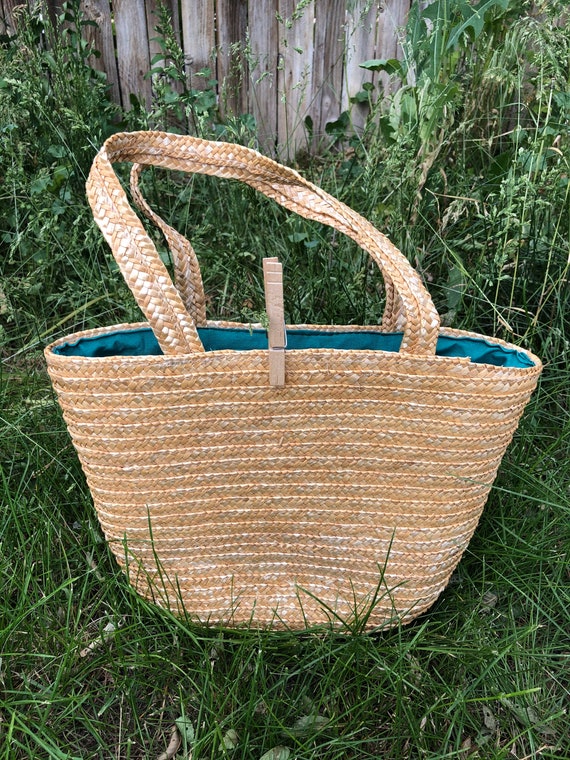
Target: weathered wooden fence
280 60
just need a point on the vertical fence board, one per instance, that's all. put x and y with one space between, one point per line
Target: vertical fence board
294 75
360 46
151 8
232 69
263 59
103 41
391 18
328 59
176 20
198 37
132 50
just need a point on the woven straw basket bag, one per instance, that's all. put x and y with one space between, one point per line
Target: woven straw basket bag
337 481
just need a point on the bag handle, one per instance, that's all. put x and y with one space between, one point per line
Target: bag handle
187 275
410 309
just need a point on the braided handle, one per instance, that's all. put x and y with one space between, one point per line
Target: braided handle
187 275
411 310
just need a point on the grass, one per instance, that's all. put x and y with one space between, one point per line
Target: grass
90 670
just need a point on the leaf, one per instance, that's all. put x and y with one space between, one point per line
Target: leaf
185 729
277 753
108 632
308 724
57 151
39 184
456 285
360 97
489 600
230 740
474 19
489 719
297 237
173 746
527 716
170 96
4 309
389 65
338 128
403 113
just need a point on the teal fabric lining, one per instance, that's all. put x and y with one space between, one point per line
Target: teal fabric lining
141 342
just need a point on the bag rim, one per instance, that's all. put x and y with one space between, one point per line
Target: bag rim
51 355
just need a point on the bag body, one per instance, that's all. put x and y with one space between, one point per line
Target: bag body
345 495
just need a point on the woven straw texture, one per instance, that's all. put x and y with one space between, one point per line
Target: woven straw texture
348 494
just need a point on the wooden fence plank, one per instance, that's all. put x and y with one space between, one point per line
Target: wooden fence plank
360 46
294 74
391 18
103 41
52 7
176 20
152 19
198 38
155 49
132 50
232 67
263 57
328 59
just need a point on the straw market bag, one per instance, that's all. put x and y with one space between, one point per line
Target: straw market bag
318 475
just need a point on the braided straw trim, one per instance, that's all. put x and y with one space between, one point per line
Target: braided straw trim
411 309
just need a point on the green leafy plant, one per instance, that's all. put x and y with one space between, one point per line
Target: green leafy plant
439 37
54 113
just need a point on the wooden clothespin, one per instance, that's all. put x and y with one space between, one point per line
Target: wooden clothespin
273 280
